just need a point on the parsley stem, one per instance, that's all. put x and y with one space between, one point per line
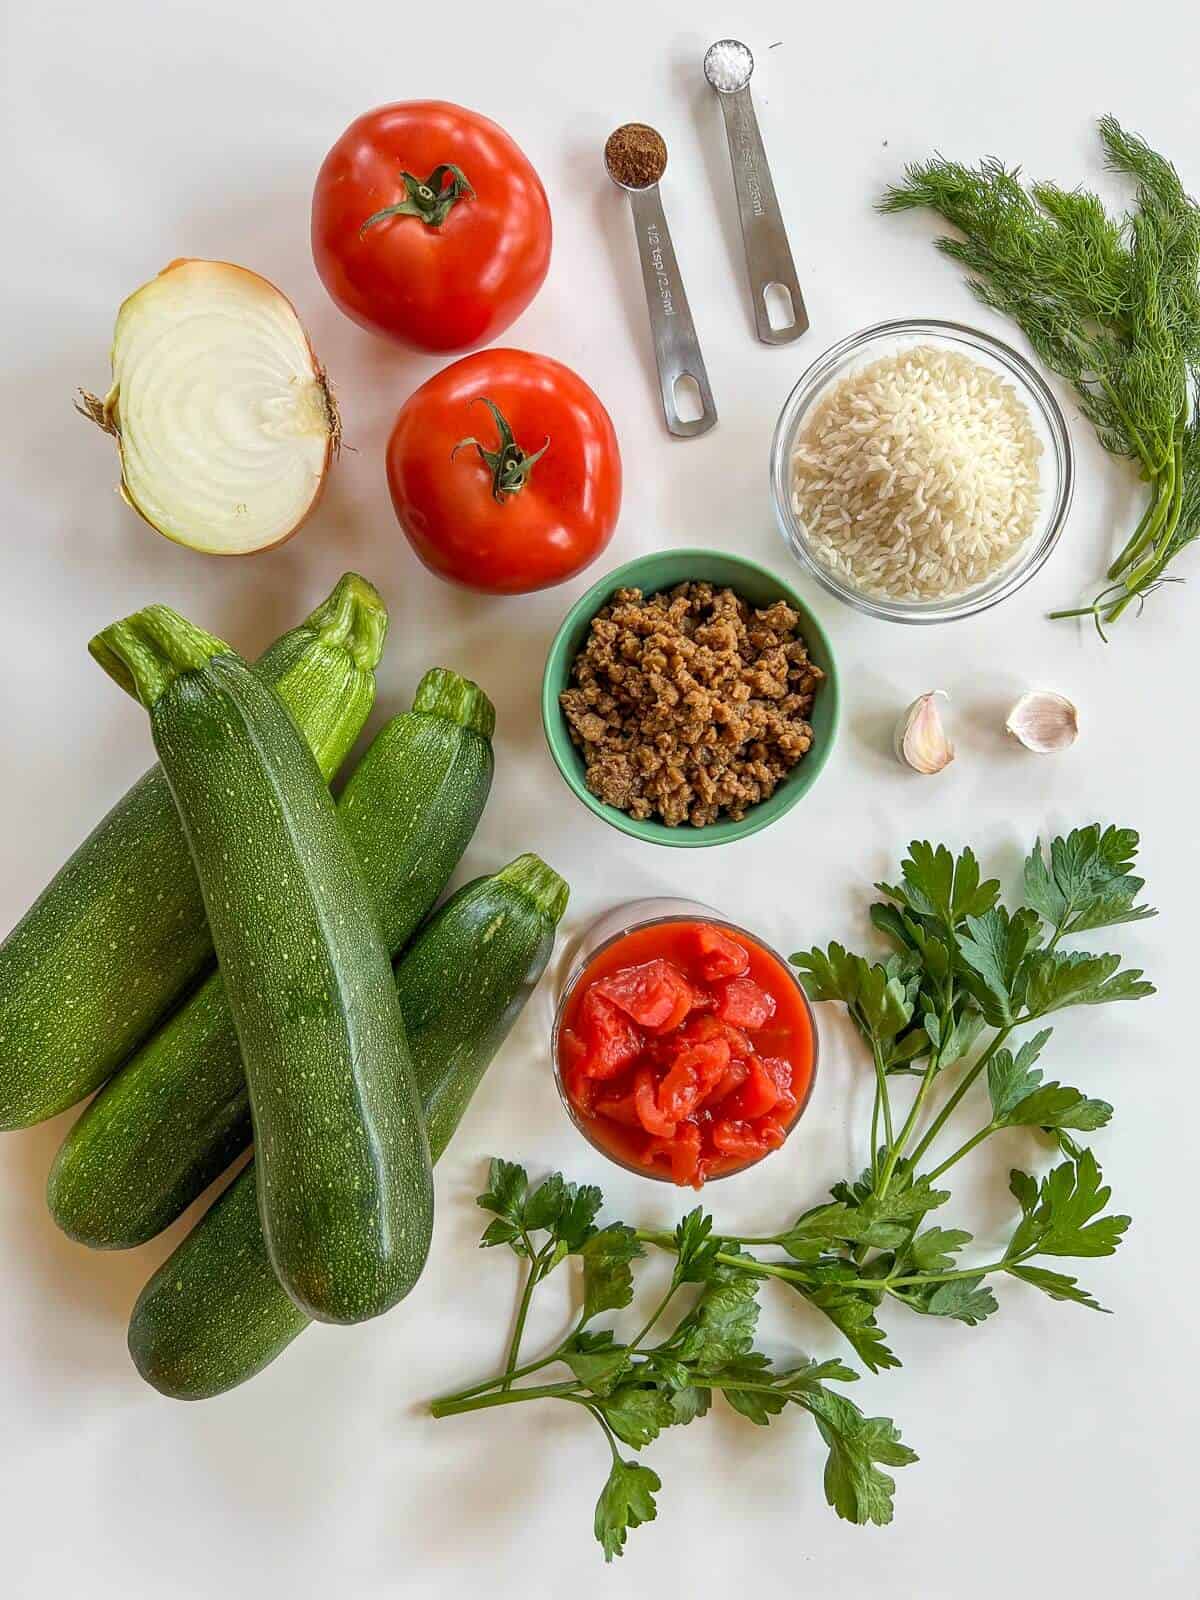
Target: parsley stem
453 1405
635 1344
596 1412
882 1099
965 1083
531 1281
910 1122
510 1375
963 1150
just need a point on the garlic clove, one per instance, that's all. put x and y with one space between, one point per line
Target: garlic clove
921 740
1044 722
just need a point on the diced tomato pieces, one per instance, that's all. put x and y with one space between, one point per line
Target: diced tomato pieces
772 1132
720 956
734 1077
736 1138
744 1003
758 1095
646 1104
683 1154
655 994
611 1041
781 1074
622 1109
701 1029
571 1051
580 1088
662 1051
695 1070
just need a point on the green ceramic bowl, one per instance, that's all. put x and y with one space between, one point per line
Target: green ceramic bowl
663 571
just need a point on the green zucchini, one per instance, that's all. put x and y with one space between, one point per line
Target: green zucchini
213 1316
177 1113
120 934
344 1184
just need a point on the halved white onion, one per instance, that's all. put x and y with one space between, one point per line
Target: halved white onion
221 411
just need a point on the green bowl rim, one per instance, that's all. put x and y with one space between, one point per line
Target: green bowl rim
759 816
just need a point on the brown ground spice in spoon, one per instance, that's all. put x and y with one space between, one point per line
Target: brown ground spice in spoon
635 155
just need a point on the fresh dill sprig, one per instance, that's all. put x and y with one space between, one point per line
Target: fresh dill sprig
1111 305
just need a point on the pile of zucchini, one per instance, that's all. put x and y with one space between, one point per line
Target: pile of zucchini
217 959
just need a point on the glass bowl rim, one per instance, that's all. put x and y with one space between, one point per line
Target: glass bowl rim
813 381
654 922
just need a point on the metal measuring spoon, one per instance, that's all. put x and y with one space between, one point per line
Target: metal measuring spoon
727 66
676 347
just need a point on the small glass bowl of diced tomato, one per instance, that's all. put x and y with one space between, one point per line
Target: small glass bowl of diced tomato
685 1049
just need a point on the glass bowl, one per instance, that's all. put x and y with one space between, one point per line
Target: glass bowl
1057 462
606 931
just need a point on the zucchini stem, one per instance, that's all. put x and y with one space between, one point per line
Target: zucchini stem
146 652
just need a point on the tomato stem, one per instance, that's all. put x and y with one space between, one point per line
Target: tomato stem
430 200
510 465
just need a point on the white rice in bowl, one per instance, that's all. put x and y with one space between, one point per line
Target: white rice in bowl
917 477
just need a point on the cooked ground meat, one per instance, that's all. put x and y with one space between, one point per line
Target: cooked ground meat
690 705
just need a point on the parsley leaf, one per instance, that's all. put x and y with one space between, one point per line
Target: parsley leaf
576 1220
852 1312
720 1327
597 1361
505 1195
1021 1100
934 1250
1058 1215
696 1249
854 1485
1057 1285
607 1275
1054 979
637 1414
936 885
878 999
758 1404
963 1299
994 947
626 1501
1011 1078
1087 883
1054 1105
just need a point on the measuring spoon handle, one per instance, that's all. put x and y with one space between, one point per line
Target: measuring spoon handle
768 253
676 347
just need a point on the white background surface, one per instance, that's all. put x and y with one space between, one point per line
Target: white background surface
1057 1446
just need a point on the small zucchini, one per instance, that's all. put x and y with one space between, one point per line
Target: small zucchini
120 934
213 1316
344 1186
177 1113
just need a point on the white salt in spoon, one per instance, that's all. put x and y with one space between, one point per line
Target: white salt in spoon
728 65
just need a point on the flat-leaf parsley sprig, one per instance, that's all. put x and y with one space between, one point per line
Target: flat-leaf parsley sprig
637 1385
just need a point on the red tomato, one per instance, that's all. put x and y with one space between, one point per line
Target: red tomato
516 510
468 251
